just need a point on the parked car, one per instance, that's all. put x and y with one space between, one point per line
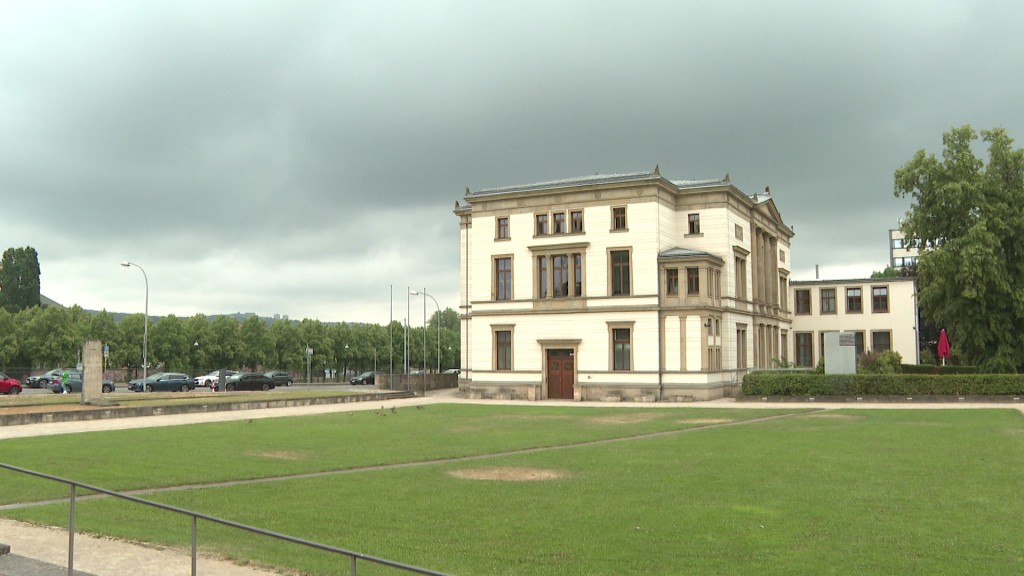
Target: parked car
248 381
75 383
455 371
212 378
9 385
45 379
163 382
280 377
364 378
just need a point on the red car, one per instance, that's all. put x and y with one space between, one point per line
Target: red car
9 385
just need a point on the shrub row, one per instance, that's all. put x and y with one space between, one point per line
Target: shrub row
935 369
791 383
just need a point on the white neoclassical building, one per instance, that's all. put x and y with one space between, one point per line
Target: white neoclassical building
624 286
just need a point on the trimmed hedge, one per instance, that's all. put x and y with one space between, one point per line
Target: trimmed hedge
936 369
792 383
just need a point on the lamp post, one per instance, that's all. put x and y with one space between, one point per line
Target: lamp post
145 324
438 306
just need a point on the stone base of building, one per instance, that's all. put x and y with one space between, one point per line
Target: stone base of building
601 393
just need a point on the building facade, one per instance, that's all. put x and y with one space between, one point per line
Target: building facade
901 256
880 312
620 287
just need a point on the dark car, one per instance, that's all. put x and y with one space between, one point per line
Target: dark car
9 385
280 377
364 378
248 381
75 383
163 382
45 379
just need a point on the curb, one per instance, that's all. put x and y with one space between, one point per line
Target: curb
108 412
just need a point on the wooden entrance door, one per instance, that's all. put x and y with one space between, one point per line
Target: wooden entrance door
561 374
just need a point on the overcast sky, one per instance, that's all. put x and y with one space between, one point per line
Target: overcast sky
300 157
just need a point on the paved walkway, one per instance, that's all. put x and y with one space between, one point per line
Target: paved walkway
45 549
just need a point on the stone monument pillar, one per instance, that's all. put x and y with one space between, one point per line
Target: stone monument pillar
92 373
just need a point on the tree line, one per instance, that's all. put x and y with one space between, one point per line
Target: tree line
47 337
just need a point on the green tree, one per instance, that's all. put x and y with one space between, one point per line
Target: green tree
966 217
197 327
8 339
314 334
225 342
19 279
288 348
257 349
169 344
127 351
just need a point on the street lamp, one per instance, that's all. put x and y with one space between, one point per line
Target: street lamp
145 325
424 293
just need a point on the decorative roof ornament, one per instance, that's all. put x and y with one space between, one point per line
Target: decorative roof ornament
767 191
726 179
657 171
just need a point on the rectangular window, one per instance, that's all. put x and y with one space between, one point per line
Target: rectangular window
672 281
858 344
619 218
881 341
576 216
803 301
853 301
782 256
502 349
739 232
577 273
805 349
542 225
560 264
741 346
692 281
694 220
502 232
741 278
880 299
542 276
620 272
502 278
621 349
828 300
559 220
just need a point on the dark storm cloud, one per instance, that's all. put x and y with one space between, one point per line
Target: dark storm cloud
320 146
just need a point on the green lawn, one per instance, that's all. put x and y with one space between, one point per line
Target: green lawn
844 492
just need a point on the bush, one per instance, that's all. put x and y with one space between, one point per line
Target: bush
888 362
798 383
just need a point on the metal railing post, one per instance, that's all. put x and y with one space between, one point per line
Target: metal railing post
353 566
71 534
194 545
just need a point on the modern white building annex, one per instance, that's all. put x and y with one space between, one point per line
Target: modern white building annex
881 313
620 287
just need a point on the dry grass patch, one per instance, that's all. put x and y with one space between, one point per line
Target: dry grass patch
279 455
509 474
631 418
830 416
707 421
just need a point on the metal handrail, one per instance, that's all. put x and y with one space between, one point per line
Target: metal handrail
350 555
